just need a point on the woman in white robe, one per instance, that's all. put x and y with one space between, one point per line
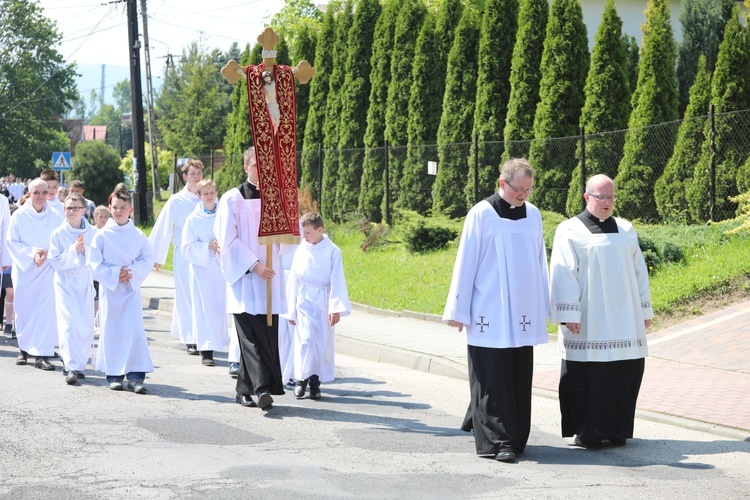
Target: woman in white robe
74 288
316 291
120 259
207 285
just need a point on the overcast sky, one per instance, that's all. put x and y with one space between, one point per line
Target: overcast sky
97 34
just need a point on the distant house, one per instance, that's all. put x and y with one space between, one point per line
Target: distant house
95 133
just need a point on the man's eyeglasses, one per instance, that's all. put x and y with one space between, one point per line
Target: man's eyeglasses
73 209
520 191
601 197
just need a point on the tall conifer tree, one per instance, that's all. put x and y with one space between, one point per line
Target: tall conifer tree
632 52
648 149
238 137
354 96
458 117
730 91
701 22
525 74
408 25
333 113
371 187
493 91
304 48
670 192
426 103
565 63
313 137
607 107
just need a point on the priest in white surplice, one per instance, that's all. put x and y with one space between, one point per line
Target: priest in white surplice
600 297
167 229
207 285
499 294
28 243
243 265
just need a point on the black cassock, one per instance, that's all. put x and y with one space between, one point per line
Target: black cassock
597 399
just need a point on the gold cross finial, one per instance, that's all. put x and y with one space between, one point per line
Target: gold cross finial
268 40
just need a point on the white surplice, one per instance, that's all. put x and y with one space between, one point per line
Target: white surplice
316 288
34 303
123 347
168 229
207 285
499 285
236 229
74 293
5 259
600 281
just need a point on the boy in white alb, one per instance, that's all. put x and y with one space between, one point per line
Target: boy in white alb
207 285
120 259
317 298
74 291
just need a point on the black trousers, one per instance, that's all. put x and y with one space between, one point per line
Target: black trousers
260 369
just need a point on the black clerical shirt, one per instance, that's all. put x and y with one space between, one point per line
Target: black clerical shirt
505 210
608 225
249 191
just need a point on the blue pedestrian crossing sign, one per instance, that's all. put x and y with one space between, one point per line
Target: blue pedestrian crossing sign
61 160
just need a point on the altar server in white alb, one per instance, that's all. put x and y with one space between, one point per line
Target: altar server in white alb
243 265
53 185
74 287
28 243
207 285
600 297
120 259
168 229
499 294
318 298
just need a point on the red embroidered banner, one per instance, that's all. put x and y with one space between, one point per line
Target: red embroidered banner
276 154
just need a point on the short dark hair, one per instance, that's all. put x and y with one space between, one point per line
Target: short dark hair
76 184
313 219
120 192
192 162
49 175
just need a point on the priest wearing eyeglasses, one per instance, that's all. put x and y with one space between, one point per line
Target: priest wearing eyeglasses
499 293
599 296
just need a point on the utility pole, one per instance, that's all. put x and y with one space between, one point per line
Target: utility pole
150 105
136 104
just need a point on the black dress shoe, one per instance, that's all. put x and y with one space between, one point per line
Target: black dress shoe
505 455
234 369
245 400
265 400
44 364
619 442
192 349
80 375
71 378
22 358
589 445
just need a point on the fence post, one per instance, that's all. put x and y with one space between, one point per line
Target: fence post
387 214
583 168
320 177
476 168
211 159
712 160
175 177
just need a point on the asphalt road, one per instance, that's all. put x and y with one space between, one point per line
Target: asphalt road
379 431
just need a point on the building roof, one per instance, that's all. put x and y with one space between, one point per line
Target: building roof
94 132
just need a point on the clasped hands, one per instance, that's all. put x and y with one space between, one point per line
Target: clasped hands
40 256
125 274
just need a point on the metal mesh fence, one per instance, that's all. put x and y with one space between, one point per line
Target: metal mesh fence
681 171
